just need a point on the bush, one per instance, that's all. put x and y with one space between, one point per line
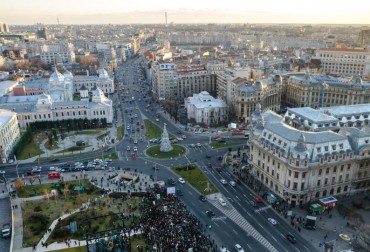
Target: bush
120 195
357 203
61 233
37 209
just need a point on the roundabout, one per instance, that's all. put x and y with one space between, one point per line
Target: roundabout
154 152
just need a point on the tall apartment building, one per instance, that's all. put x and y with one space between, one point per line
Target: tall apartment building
307 90
57 53
364 38
4 27
9 133
164 81
343 60
193 79
106 56
300 166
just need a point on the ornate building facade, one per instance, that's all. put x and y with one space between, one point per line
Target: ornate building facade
299 165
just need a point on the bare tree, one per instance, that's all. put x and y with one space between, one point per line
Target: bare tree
88 60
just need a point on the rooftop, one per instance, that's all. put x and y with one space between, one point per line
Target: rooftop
312 115
347 110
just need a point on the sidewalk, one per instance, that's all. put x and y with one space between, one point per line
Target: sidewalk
329 226
18 219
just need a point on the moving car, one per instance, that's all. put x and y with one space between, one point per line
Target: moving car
171 181
183 136
238 248
2 172
222 202
199 145
232 183
179 192
128 148
135 149
224 182
202 198
210 214
272 221
257 199
291 238
182 181
253 203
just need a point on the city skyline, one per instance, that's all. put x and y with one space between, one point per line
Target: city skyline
206 11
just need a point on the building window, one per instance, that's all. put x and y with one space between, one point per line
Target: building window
296 174
318 182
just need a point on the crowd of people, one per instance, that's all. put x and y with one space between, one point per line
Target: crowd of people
169 226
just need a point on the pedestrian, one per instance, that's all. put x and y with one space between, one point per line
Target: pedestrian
326 235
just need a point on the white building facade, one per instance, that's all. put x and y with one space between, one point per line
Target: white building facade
9 133
343 60
205 109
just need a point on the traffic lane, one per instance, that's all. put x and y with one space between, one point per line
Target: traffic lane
234 196
227 232
262 216
5 217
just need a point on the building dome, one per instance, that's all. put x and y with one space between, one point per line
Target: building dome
56 77
258 86
103 73
68 75
278 79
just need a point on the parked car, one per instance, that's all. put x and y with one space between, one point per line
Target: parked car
224 182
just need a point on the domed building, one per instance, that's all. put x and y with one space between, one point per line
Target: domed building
56 102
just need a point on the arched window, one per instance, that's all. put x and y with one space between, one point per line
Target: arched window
324 193
317 195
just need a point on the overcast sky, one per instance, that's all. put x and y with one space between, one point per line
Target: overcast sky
185 11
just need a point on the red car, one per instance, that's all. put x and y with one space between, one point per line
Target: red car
257 199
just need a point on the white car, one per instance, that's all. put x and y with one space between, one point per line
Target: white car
224 182
232 183
2 172
222 202
135 149
272 221
181 181
238 248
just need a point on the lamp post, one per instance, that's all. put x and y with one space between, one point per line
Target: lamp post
16 167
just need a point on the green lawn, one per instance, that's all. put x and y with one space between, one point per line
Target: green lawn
226 144
30 150
120 132
194 176
156 153
53 147
101 137
75 249
38 189
153 130
87 132
39 214
104 210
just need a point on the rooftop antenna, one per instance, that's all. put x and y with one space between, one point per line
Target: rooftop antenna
165 17
58 20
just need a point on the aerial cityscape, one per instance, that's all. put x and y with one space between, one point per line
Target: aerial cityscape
194 126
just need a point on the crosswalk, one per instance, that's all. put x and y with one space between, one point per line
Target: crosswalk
239 220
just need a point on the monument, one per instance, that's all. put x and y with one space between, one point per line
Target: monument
165 141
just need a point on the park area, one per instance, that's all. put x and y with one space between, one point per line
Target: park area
194 176
56 199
